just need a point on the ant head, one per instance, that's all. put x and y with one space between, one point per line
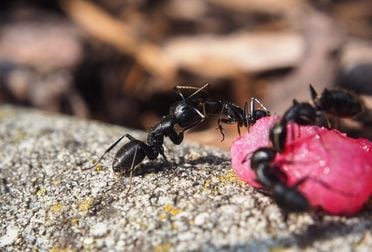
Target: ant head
260 113
186 115
232 112
300 112
262 155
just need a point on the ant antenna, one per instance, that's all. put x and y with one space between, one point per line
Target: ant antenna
178 90
197 91
246 115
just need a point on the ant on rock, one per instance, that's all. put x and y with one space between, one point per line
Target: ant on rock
334 102
183 115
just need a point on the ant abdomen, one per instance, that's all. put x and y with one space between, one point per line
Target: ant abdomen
128 156
338 102
341 103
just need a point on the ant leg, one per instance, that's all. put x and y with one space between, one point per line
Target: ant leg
293 135
323 119
251 106
220 129
238 128
131 175
165 158
204 111
219 123
329 124
285 216
109 149
317 214
202 116
246 116
263 190
175 137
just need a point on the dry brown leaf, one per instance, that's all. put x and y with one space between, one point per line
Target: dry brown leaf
268 6
38 45
318 67
225 56
357 51
118 34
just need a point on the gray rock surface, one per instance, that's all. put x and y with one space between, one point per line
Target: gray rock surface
196 203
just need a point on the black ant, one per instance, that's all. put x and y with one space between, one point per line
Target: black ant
231 113
183 115
288 198
334 102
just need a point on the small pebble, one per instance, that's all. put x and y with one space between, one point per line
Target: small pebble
99 229
10 236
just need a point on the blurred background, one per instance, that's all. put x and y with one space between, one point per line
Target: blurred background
117 61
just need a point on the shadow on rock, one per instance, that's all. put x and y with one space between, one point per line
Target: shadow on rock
160 165
326 230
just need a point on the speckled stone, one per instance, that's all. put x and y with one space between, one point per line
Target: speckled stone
47 202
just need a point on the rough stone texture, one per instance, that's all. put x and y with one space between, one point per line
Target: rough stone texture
196 203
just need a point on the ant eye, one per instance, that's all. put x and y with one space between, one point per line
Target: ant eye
185 117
